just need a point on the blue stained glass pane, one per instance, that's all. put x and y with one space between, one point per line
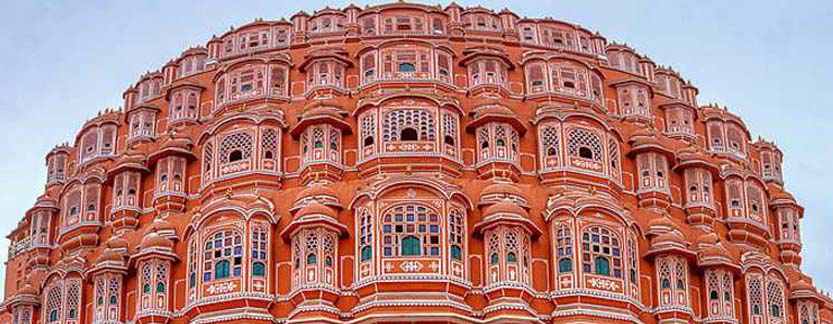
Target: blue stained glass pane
238 250
238 271
206 276
435 228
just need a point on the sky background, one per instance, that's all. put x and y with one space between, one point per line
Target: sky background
770 62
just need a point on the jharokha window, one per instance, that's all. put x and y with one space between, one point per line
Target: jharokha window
126 190
488 71
720 290
81 205
98 142
170 173
601 252
154 285
223 256
508 255
185 104
406 63
251 81
563 78
321 143
653 172
325 73
765 295
314 258
246 150
497 142
409 127
142 124
411 231
672 274
62 300
699 183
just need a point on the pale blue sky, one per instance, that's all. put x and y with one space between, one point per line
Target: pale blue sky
770 62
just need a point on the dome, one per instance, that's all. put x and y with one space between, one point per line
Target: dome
316 190
154 240
504 207
502 189
314 209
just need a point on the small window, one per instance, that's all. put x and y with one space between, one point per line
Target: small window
367 253
713 295
410 246
602 266
235 156
160 288
493 259
221 270
407 67
449 140
408 134
368 141
456 253
258 269
312 259
585 152
565 265
511 257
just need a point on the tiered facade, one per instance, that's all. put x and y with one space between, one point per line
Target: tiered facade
411 163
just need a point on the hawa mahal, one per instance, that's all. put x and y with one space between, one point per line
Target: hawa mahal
405 163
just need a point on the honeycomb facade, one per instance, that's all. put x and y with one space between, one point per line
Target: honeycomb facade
411 163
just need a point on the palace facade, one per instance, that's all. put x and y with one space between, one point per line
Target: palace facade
404 163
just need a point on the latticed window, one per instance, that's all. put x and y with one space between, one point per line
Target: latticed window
508 251
487 71
536 80
734 193
550 146
673 281
808 313
564 248
53 303
569 79
736 140
585 144
365 236
223 256
498 141
314 257
142 123
107 295
269 148
653 172
73 299
185 105
613 159
601 252
757 209
699 183
72 208
716 138
236 147
633 256
321 143
260 250
456 234
125 190
410 230
754 287
775 300
368 140
719 287
789 225
171 175
207 162
193 267
408 125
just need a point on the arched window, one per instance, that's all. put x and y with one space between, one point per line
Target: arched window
456 234
412 230
602 266
585 144
775 297
236 147
407 67
600 249
367 253
550 146
223 256
401 124
408 134
410 246
365 235
564 247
